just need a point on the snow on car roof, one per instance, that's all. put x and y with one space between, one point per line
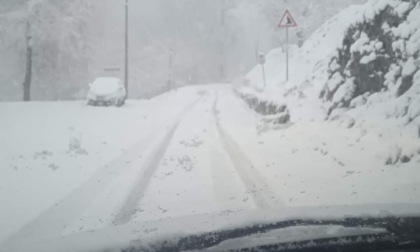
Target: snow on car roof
105 85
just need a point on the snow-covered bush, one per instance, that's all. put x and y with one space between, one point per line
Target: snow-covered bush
379 53
265 106
281 118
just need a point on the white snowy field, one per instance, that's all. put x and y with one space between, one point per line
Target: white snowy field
68 169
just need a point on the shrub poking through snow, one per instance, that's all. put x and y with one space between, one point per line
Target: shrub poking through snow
273 112
280 118
379 53
75 147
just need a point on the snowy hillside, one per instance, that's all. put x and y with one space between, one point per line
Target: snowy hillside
308 67
358 69
375 71
311 57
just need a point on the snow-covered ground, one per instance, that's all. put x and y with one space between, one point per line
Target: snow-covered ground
49 150
323 163
72 170
198 159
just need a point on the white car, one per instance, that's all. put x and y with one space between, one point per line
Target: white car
106 91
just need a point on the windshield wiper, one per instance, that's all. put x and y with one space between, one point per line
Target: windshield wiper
372 242
403 230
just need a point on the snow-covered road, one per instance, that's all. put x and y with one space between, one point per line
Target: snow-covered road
178 162
193 151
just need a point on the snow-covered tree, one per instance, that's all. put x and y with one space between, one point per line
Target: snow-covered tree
49 47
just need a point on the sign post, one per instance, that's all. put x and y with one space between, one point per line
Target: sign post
170 75
287 21
300 37
287 53
261 60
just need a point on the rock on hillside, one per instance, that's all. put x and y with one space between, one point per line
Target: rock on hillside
376 67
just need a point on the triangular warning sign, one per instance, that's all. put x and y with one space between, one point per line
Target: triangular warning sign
287 20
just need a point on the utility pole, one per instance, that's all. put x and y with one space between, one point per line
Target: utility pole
28 70
263 72
222 70
170 75
126 48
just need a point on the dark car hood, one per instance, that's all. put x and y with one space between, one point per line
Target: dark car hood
115 238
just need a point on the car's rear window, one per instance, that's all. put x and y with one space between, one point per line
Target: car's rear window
105 85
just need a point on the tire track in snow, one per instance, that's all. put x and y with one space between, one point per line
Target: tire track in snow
53 220
149 168
261 193
227 185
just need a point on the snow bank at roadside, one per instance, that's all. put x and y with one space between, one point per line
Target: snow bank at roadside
326 162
